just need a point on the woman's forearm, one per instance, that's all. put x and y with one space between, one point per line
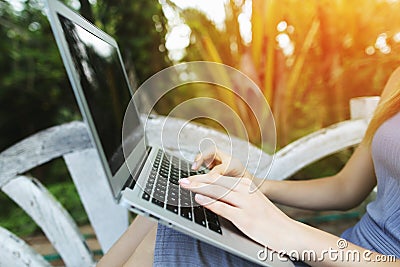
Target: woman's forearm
122 250
343 191
316 194
319 248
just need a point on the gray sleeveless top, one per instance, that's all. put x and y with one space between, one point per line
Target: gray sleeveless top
379 228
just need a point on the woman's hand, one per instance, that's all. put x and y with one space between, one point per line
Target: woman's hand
220 163
239 201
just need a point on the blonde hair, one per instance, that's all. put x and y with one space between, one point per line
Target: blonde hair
386 109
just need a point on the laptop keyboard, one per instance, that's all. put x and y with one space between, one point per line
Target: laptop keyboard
162 189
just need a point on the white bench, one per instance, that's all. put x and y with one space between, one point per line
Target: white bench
71 141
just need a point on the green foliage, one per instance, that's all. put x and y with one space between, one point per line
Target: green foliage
310 87
35 92
140 29
34 88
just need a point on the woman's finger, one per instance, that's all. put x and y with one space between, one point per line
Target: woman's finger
223 209
208 156
229 183
217 192
229 167
220 169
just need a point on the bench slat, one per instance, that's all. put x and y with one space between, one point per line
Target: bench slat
316 146
108 219
41 148
15 252
54 220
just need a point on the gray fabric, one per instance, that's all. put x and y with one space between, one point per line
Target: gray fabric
379 229
174 249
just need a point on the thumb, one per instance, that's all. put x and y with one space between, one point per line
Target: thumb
221 169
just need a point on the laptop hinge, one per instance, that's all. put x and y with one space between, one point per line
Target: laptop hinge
131 182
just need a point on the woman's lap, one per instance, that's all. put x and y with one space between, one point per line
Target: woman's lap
173 248
176 249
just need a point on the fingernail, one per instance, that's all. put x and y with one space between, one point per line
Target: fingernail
194 165
184 181
200 198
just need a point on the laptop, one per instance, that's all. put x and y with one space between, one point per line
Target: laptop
145 180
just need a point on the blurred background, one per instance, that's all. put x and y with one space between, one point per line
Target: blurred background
309 57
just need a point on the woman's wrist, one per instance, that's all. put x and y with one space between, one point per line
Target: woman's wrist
266 187
282 237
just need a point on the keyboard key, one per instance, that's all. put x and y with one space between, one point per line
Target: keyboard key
164 168
215 228
172 208
212 217
162 186
199 215
172 200
149 188
185 198
175 172
159 196
173 190
174 180
163 174
146 196
157 202
185 204
186 212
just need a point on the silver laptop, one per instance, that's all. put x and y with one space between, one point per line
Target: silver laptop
149 186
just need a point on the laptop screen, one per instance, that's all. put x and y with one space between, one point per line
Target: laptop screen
105 88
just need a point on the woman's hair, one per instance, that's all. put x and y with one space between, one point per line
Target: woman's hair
385 110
